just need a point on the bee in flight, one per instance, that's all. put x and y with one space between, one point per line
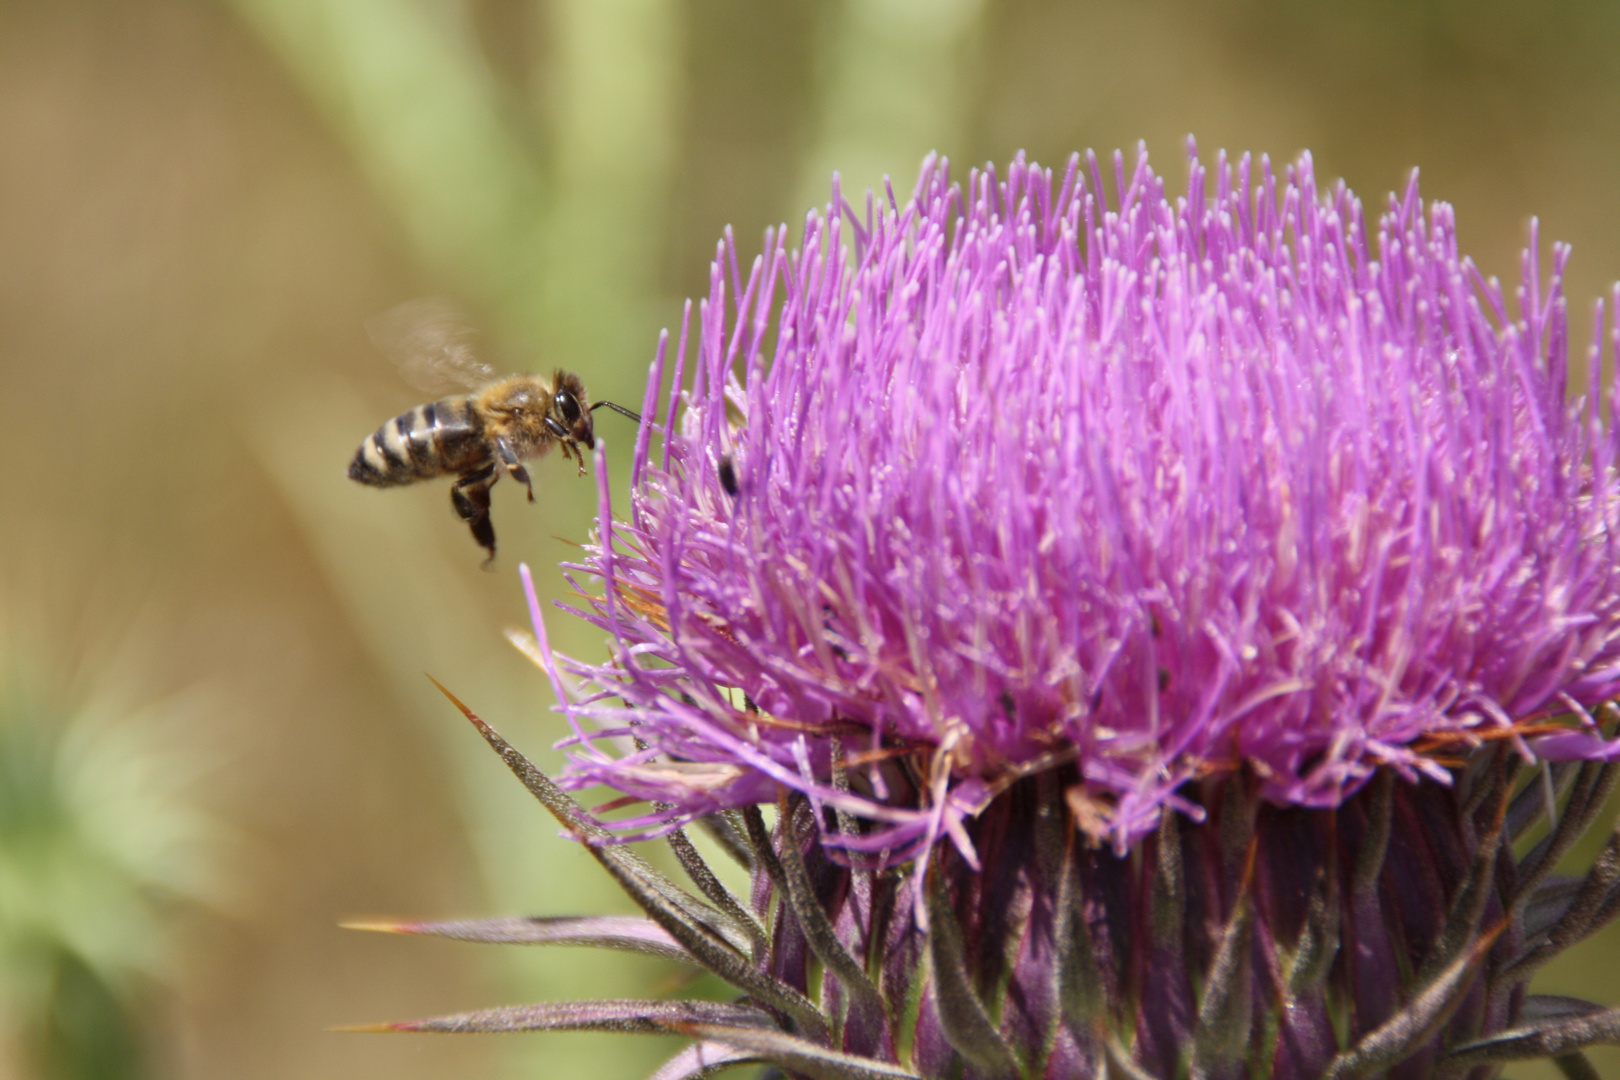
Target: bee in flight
473 436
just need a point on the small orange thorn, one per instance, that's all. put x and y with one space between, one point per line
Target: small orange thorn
457 702
382 926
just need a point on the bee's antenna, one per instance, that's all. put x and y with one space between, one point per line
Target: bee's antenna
620 409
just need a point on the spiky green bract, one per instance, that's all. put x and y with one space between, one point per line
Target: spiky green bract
1390 937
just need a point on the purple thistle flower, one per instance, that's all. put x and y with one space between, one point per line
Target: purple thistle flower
1139 616
1180 488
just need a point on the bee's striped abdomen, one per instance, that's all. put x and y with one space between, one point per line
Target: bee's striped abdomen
430 440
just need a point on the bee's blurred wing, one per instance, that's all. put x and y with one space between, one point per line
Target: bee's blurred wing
433 344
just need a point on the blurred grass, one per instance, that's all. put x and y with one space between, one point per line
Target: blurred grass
204 202
105 839
897 80
404 86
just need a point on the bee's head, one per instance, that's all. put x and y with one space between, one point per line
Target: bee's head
570 409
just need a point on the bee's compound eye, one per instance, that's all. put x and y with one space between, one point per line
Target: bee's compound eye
568 405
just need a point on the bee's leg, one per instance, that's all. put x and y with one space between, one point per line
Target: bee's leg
470 496
514 467
570 449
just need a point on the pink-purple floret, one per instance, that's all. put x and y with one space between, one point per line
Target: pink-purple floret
1185 485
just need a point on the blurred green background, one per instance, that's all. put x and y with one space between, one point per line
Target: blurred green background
215 737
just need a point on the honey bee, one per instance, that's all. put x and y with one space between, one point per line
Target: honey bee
474 436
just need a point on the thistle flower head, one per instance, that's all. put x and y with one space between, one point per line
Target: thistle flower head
1010 475
1138 610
